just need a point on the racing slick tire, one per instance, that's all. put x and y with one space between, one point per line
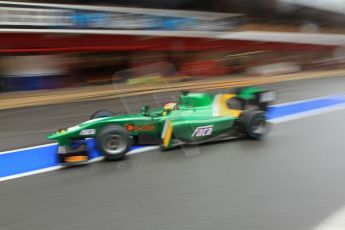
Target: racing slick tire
253 124
114 142
102 113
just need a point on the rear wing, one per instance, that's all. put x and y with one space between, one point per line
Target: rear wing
256 96
264 99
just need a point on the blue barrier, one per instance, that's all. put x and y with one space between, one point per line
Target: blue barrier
41 157
33 82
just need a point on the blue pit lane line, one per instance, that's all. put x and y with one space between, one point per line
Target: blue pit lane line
23 161
290 109
36 158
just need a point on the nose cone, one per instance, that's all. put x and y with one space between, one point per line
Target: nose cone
56 135
51 136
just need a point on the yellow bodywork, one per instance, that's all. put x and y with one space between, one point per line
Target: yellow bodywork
223 109
168 134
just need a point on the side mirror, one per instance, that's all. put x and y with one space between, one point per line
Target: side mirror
145 110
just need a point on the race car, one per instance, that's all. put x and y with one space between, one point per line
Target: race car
194 118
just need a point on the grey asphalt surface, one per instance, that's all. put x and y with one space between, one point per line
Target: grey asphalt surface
29 126
292 180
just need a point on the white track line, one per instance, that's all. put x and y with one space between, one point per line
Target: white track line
334 222
143 149
31 173
133 152
27 148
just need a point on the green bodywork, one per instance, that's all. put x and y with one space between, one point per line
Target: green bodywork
194 121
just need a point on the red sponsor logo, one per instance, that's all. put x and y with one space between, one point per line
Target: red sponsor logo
140 128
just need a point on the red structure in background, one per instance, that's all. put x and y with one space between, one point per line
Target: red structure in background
130 47
37 43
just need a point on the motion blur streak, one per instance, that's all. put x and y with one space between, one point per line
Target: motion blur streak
62 60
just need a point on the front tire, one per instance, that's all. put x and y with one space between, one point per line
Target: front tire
114 142
254 124
102 113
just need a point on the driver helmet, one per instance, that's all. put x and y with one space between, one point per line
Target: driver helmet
169 107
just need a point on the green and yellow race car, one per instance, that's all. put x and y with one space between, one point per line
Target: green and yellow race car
194 118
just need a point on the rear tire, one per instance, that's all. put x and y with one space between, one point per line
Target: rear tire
102 113
114 142
253 124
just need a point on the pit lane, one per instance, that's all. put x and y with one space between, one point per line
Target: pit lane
291 180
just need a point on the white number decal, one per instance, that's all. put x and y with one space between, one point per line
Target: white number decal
203 131
87 132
